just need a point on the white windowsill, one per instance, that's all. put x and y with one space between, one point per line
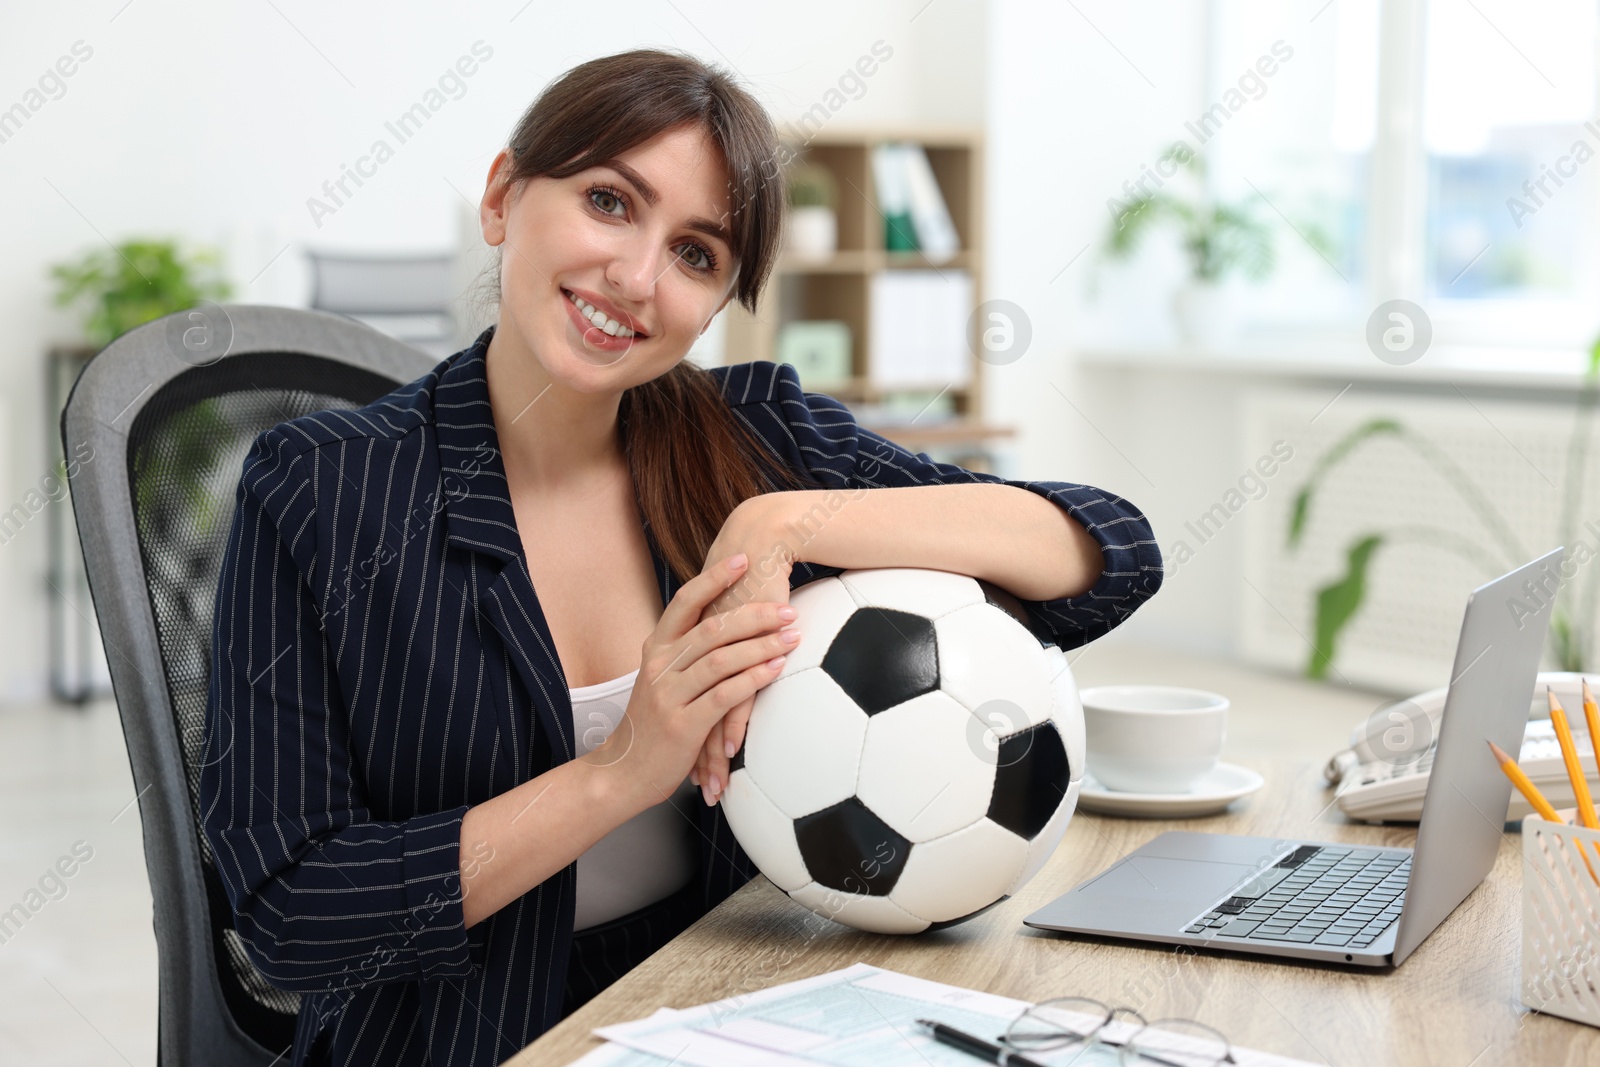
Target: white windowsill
1442 364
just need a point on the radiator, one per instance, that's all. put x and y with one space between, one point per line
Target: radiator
1437 547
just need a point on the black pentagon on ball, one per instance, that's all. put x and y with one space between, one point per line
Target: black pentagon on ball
846 847
1031 778
882 657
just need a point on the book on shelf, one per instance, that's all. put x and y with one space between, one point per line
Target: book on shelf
916 217
919 328
893 187
930 216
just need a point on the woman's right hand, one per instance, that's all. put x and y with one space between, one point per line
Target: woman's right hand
691 673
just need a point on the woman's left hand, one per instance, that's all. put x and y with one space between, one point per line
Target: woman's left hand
753 529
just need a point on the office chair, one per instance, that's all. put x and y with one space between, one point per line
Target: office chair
170 410
404 296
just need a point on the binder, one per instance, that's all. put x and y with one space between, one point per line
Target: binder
918 328
936 234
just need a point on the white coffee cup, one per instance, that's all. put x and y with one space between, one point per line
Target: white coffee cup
1152 738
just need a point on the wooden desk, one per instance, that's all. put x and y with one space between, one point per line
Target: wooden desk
1454 1002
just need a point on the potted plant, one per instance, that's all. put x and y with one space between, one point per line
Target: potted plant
1573 616
811 228
135 282
1218 239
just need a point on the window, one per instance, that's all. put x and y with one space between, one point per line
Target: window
1302 154
1448 148
1509 221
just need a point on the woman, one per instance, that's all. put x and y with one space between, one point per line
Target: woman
441 807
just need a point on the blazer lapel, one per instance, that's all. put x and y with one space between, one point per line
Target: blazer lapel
479 517
511 607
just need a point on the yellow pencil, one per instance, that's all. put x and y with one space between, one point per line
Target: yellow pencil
1569 755
1591 716
1525 785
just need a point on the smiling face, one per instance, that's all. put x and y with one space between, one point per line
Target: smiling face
638 246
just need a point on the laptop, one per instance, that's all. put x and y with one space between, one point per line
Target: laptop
1339 903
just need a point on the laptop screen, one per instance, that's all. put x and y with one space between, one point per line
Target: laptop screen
1463 813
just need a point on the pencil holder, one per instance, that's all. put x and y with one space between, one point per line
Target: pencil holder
1561 919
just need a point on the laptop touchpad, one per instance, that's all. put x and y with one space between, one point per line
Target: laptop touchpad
1155 878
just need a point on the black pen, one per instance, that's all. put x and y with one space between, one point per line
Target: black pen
949 1035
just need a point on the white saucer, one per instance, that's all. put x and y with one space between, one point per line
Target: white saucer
1225 783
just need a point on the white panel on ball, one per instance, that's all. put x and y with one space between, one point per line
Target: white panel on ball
803 745
986 656
1044 844
821 608
912 589
925 769
880 915
765 833
1067 709
959 873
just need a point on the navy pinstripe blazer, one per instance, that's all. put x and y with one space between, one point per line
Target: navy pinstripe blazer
380 664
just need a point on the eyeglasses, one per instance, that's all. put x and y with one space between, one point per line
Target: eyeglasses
1086 1024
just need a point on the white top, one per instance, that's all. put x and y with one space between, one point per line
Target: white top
647 858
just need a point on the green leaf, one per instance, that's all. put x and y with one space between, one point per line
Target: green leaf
1326 462
136 282
1131 223
1594 359
1569 654
1297 516
1337 603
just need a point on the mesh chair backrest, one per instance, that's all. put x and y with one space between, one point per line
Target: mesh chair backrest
186 449
185 452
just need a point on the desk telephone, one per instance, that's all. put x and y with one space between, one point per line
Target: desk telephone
1383 775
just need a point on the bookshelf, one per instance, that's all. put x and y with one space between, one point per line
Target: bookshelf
840 288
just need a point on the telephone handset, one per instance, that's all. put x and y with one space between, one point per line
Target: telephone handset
1383 775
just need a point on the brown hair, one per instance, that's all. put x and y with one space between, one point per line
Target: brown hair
691 460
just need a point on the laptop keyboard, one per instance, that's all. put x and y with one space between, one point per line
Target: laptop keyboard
1317 895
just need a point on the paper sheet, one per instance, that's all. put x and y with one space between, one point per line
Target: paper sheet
861 1016
612 1054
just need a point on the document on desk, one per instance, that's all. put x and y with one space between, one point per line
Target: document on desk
861 1016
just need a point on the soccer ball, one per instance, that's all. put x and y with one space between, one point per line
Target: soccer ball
918 758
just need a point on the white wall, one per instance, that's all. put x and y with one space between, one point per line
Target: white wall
216 123
1080 96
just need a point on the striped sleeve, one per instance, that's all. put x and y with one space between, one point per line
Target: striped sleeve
824 436
324 897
